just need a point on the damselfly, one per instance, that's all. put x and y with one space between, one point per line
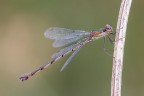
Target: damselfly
63 36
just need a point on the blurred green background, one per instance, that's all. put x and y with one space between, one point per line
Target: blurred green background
23 48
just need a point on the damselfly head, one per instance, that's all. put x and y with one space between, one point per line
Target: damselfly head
108 29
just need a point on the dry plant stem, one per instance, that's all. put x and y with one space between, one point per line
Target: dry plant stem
119 48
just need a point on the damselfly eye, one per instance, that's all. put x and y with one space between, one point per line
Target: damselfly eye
108 29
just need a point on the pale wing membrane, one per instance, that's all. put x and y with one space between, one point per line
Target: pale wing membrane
70 58
63 33
62 42
64 51
68 49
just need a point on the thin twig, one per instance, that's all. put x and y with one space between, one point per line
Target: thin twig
119 48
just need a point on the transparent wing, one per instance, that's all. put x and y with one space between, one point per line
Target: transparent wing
64 51
70 58
68 49
62 42
63 33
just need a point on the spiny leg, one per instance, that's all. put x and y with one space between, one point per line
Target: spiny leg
110 39
106 50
